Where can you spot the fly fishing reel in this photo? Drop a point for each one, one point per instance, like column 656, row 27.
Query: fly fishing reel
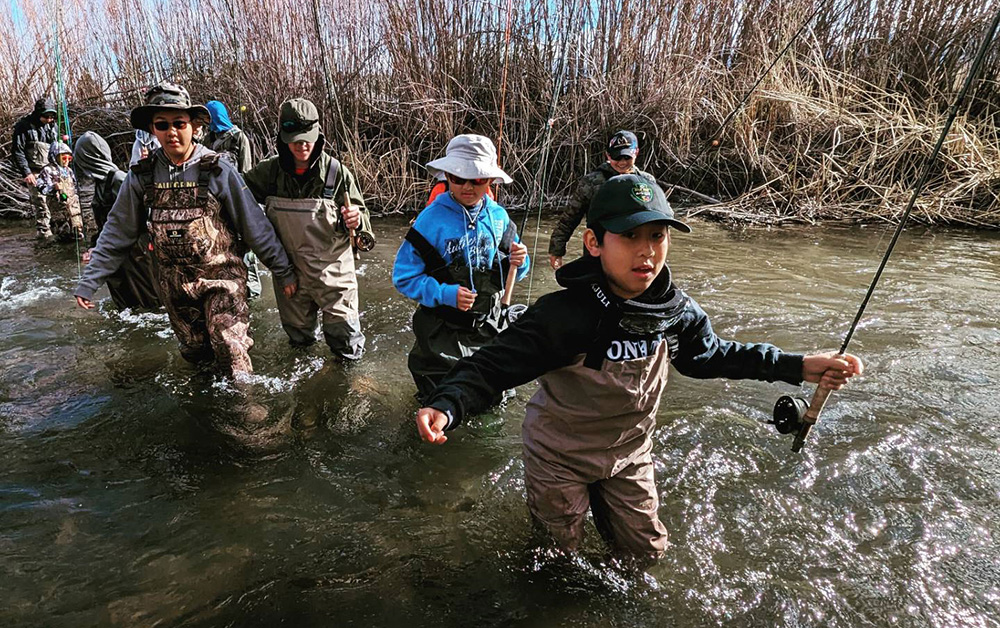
column 789, row 414
column 514, row 312
column 364, row 241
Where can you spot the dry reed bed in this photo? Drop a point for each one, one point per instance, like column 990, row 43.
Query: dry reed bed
column 837, row 130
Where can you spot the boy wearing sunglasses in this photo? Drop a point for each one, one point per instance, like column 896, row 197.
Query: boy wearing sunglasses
column 454, row 262
column 29, row 153
column 198, row 213
column 315, row 205
column 600, row 349
column 620, row 156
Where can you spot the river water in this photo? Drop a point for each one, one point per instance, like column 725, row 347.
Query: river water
column 137, row 491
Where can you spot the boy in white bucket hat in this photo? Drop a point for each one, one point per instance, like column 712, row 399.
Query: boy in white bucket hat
column 454, row 262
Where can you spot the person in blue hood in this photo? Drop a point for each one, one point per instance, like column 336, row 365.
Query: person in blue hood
column 454, row 262
column 230, row 141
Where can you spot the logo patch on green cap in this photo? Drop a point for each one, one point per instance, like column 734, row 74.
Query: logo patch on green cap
column 642, row 193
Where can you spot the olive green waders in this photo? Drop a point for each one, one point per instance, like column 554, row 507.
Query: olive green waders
column 320, row 249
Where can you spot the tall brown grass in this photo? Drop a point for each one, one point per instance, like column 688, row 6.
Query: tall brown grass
column 838, row 128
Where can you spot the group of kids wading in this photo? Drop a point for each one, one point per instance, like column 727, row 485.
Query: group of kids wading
column 174, row 232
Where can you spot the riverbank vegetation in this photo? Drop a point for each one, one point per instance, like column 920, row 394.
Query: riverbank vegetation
column 838, row 129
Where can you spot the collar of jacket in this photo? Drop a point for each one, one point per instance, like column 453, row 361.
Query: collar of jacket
column 661, row 300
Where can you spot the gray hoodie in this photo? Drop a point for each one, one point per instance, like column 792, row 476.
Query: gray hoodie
column 128, row 216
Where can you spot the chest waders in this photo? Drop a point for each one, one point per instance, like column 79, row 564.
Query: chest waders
column 37, row 155
column 65, row 216
column 319, row 247
column 132, row 285
column 199, row 273
column 443, row 334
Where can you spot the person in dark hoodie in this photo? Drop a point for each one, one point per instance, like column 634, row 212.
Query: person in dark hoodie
column 601, row 348
column 315, row 205
column 226, row 138
column 620, row 156
column 197, row 211
column 29, row 153
column 132, row 285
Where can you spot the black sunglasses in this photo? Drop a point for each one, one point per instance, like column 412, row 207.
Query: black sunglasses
column 461, row 181
column 298, row 125
column 163, row 125
column 622, row 158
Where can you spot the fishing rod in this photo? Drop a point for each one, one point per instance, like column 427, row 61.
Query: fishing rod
column 543, row 170
column 714, row 140
column 793, row 414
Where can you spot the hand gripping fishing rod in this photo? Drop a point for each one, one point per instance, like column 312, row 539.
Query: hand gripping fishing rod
column 792, row 414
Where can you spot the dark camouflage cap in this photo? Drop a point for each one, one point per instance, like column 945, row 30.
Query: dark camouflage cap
column 298, row 121
column 171, row 96
column 627, row 201
column 623, row 143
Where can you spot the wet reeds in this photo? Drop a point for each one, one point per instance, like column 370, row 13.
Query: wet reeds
column 838, row 129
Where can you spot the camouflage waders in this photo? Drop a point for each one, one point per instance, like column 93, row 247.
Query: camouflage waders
column 200, row 276
column 65, row 219
column 320, row 249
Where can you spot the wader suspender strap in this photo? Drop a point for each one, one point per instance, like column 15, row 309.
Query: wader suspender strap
column 433, row 262
column 143, row 169
column 207, row 166
column 329, row 188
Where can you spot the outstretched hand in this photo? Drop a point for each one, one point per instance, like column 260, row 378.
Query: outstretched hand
column 86, row 304
column 431, row 424
column 831, row 370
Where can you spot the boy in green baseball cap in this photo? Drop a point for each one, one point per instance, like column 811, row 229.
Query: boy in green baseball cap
column 601, row 350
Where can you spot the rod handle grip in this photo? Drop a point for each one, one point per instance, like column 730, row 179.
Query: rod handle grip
column 508, row 290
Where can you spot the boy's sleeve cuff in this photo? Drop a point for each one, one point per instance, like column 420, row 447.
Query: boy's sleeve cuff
column 288, row 279
column 443, row 405
column 84, row 293
column 449, row 294
column 789, row 368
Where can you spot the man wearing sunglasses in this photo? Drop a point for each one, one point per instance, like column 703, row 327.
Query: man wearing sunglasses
column 620, row 157
column 198, row 214
column 30, row 153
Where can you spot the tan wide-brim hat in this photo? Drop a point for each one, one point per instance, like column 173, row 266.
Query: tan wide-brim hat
column 167, row 96
column 470, row 157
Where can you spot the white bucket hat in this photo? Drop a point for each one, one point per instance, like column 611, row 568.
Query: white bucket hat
column 469, row 157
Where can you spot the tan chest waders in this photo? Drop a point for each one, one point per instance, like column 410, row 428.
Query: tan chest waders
column 319, row 246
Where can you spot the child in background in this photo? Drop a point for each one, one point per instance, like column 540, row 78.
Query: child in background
column 454, row 262
column 57, row 183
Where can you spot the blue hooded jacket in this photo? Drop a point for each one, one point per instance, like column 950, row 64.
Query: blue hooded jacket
column 220, row 116
column 445, row 225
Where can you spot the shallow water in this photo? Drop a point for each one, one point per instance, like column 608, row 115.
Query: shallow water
column 137, row 491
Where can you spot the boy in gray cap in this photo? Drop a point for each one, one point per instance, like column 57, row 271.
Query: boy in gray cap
column 600, row 349
column 315, row 205
column 620, row 156
column 196, row 211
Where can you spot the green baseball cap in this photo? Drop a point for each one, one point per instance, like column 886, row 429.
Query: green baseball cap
column 168, row 96
column 626, row 201
column 298, row 121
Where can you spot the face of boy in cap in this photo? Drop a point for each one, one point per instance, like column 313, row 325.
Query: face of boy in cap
column 623, row 148
column 636, row 217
